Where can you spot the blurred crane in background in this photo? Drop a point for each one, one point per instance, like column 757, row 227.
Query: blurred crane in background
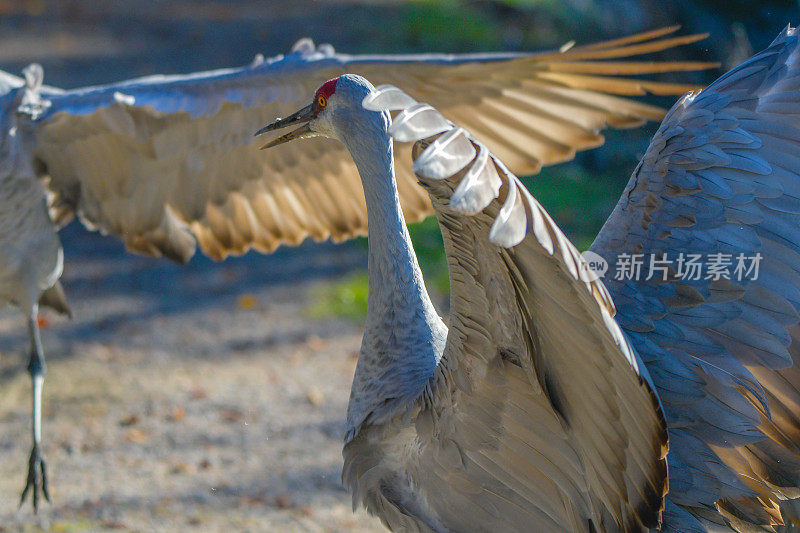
column 532, row 411
column 168, row 162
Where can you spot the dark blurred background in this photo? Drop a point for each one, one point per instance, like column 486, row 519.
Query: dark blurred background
column 211, row 396
column 95, row 41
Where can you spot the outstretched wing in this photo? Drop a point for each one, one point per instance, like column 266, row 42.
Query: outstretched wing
column 161, row 161
column 539, row 416
column 721, row 179
column 9, row 82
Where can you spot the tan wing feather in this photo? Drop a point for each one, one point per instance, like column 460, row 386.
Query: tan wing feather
column 122, row 166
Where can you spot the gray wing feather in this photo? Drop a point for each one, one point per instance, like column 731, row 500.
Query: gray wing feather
column 721, row 176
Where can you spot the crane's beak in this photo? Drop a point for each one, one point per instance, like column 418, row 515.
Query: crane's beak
column 299, row 117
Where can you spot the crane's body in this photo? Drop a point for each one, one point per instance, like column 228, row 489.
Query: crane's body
column 534, row 411
column 415, row 435
column 31, row 258
column 31, row 264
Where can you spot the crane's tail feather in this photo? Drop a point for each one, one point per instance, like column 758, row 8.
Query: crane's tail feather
column 56, row 299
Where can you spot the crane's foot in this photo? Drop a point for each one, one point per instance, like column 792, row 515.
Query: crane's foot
column 37, row 479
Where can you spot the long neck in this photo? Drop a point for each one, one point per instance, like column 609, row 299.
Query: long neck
column 403, row 336
column 395, row 279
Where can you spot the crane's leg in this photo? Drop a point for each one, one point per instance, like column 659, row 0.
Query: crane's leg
column 37, row 474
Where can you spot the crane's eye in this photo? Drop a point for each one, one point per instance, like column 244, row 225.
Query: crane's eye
column 321, row 101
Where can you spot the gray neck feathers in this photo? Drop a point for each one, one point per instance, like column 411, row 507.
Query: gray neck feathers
column 404, row 336
column 393, row 267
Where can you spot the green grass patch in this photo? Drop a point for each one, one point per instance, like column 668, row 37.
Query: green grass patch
column 345, row 298
column 449, row 25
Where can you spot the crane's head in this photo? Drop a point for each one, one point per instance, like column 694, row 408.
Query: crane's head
column 335, row 109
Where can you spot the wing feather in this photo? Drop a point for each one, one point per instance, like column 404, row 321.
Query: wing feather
column 556, row 427
column 122, row 155
column 721, row 177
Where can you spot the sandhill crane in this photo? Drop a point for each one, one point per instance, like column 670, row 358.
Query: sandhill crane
column 168, row 162
column 536, row 410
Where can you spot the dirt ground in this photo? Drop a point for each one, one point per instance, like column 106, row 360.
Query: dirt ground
column 185, row 398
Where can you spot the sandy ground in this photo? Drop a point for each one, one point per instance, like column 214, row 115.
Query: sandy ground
column 185, row 398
